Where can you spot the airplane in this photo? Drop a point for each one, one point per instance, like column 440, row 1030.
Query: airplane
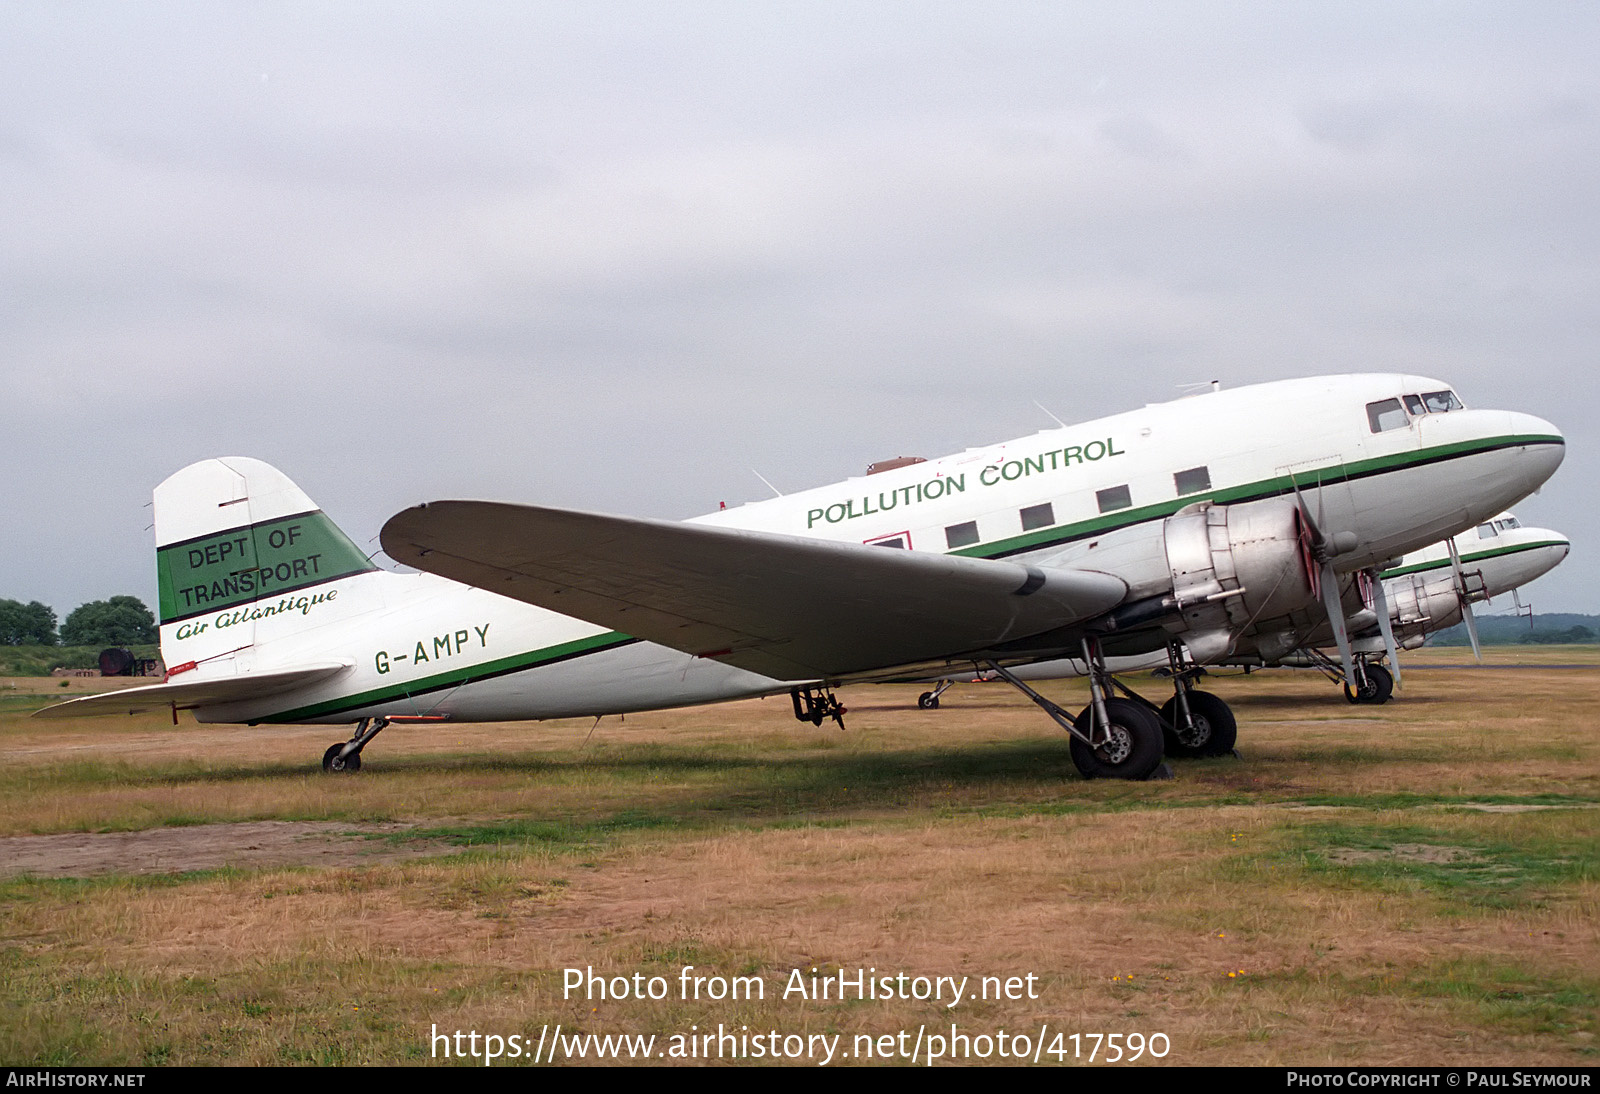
column 1425, row 593
column 1434, row 589
column 1189, row 526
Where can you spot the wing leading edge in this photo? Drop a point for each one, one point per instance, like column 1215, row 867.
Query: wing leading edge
column 782, row 606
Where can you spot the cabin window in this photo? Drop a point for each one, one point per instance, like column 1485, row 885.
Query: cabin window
column 902, row 540
column 1117, row 497
column 961, row 535
column 1387, row 414
column 1038, row 516
column 1486, row 531
column 1441, row 402
column 1192, row 481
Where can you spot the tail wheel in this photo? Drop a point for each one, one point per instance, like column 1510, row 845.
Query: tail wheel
column 1128, row 748
column 334, row 765
column 1377, row 688
column 1214, row 730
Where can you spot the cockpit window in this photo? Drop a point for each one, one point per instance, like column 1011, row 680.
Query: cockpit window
column 1509, row 523
column 1441, row 402
column 1486, row 531
column 1387, row 414
column 1414, row 404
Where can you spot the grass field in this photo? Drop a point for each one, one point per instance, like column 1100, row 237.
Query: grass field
column 1408, row 884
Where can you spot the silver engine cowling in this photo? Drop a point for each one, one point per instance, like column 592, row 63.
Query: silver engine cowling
column 1233, row 566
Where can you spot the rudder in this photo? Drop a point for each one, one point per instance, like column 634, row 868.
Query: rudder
column 237, row 545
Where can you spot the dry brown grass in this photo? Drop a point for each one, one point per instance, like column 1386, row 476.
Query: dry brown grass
column 956, row 842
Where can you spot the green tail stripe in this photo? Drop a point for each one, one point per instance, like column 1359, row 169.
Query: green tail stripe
column 254, row 561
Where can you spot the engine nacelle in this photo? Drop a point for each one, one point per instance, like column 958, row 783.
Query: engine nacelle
column 1234, row 565
column 1420, row 605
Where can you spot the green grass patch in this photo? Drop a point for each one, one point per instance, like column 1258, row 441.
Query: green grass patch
column 570, row 834
column 1405, row 800
column 1478, row 870
column 1482, row 992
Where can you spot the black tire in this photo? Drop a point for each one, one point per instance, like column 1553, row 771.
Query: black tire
column 1133, row 750
column 928, row 701
column 1378, row 688
column 1215, row 728
column 335, row 766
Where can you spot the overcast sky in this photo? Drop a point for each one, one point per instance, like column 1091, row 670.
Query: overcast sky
column 616, row 256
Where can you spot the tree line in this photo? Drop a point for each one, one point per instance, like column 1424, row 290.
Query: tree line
column 120, row 621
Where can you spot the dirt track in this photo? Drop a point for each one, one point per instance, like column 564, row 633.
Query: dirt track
column 205, row 847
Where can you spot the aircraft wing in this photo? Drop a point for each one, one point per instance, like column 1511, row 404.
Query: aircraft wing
column 782, row 606
column 193, row 693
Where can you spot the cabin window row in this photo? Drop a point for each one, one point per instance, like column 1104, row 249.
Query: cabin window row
column 1034, row 517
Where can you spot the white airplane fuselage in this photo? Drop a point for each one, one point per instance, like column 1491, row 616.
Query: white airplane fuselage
column 1104, row 495
column 1497, row 557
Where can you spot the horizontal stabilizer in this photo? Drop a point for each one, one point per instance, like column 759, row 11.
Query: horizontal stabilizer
column 783, row 606
column 190, row 694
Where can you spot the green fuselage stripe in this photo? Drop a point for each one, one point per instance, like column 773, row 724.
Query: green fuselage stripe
column 1278, row 486
column 455, row 678
column 1475, row 556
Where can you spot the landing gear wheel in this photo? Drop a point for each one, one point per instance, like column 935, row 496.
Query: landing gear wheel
column 333, row 765
column 928, row 701
column 1377, row 688
column 1214, row 732
column 1130, row 750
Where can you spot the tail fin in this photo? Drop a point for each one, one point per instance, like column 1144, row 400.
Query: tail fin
column 243, row 555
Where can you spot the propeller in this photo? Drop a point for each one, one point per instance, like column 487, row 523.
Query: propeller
column 1316, row 555
column 1341, row 635
column 1380, row 604
column 1466, row 603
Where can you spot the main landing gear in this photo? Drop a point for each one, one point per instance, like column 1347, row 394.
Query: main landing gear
column 1374, row 682
column 1195, row 723
column 1112, row 738
column 345, row 757
column 1123, row 737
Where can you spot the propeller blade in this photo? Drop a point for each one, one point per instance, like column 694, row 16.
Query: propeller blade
column 1380, row 604
column 1472, row 630
column 1341, row 636
column 1308, row 538
column 1466, row 604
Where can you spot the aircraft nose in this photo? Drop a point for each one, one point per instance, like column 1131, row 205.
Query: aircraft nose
column 1545, row 447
